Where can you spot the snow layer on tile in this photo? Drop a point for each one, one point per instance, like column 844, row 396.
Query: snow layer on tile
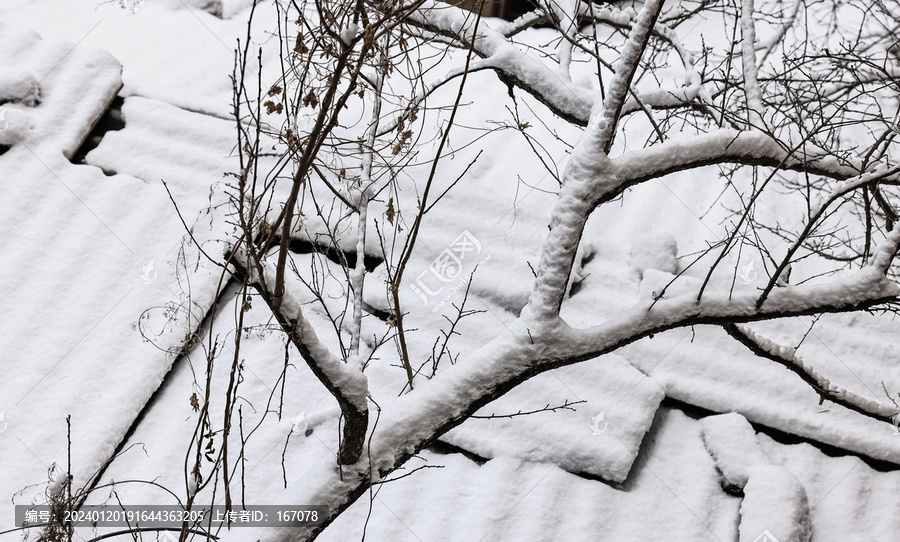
column 731, row 441
column 848, row 498
column 674, row 489
column 76, row 83
column 601, row 436
column 88, row 262
column 775, row 506
column 19, row 85
column 147, row 40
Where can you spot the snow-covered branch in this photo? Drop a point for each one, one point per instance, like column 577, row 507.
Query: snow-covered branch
column 567, row 14
column 553, row 87
column 608, row 118
column 345, row 381
column 416, row 420
column 571, row 102
column 587, row 172
column 511, row 28
column 663, row 98
column 787, row 356
column 725, row 146
column 867, row 288
column 748, row 60
column 363, row 194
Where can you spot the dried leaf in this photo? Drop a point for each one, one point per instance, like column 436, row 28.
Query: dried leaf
column 272, row 107
column 299, row 46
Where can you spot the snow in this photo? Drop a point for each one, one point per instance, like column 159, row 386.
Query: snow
column 732, row 442
column 82, row 241
column 347, row 377
column 18, row 85
column 349, row 34
column 622, row 400
column 775, row 503
column 657, row 252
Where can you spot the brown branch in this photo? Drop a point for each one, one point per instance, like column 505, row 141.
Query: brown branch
column 565, row 406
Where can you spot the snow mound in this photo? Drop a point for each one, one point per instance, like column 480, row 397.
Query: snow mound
column 675, row 495
column 19, row 85
column 77, row 84
column 600, row 437
column 660, row 283
column 775, row 507
column 15, row 125
column 848, row 498
column 732, row 442
column 655, row 252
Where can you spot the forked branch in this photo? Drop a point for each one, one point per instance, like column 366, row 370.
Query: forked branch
column 346, row 382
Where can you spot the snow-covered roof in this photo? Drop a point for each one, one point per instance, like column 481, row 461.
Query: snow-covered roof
column 683, row 436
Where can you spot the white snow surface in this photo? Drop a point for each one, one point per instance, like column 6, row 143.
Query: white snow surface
column 601, row 437
column 92, row 253
column 732, row 442
column 775, row 503
column 19, row 85
column 89, row 253
column 659, row 252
